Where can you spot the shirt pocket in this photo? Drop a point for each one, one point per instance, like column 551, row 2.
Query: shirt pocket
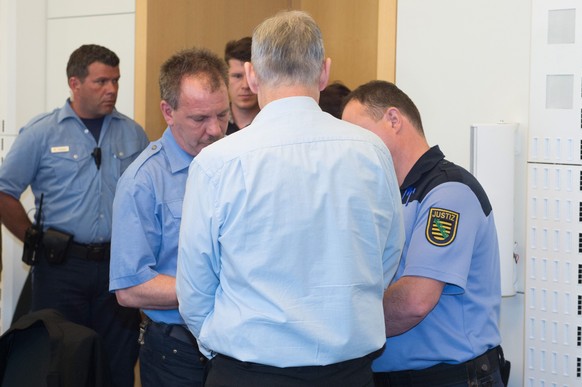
column 175, row 209
column 124, row 153
column 173, row 218
column 119, row 156
column 68, row 166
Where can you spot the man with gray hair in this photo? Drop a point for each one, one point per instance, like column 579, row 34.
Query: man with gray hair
column 291, row 230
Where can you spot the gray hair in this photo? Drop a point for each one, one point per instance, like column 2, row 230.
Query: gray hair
column 288, row 49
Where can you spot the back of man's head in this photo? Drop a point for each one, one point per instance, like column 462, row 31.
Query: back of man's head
column 190, row 62
column 85, row 55
column 288, row 49
column 331, row 98
column 377, row 96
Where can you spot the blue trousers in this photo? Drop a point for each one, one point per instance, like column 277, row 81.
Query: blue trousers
column 168, row 361
column 79, row 289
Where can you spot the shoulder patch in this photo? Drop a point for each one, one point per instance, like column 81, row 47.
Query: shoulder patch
column 441, row 226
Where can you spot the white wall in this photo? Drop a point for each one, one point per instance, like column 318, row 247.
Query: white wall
column 71, row 23
column 466, row 62
column 23, row 48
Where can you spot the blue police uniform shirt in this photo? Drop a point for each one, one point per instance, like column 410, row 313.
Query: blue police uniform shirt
column 52, row 154
column 146, row 219
column 450, row 237
column 291, row 230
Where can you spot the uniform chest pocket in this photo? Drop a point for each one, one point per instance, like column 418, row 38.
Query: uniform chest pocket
column 173, row 217
column 124, row 153
column 175, row 209
column 67, row 164
column 116, row 158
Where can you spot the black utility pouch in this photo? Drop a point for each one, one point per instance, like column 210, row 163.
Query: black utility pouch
column 32, row 239
column 56, row 245
column 504, row 367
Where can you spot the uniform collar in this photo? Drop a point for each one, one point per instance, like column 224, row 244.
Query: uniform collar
column 425, row 163
column 178, row 158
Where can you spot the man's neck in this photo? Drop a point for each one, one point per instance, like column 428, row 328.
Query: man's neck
column 407, row 156
column 243, row 117
column 269, row 94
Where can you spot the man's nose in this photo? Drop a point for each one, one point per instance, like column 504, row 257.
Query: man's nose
column 244, row 83
column 112, row 87
column 214, row 129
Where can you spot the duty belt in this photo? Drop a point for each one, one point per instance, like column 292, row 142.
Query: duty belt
column 91, row 251
column 442, row 374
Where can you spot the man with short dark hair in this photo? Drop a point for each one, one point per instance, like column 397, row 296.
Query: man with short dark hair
column 243, row 102
column 442, row 308
column 331, row 98
column 73, row 157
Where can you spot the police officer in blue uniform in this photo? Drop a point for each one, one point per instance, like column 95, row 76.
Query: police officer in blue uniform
column 73, row 158
column 148, row 208
column 442, row 307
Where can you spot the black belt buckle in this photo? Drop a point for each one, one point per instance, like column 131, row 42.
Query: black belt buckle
column 91, row 252
column 96, row 252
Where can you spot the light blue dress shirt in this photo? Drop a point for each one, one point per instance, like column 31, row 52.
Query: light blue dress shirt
column 291, row 230
column 52, row 154
column 146, row 219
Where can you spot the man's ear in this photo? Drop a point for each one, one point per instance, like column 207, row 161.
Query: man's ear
column 74, row 83
column 167, row 112
column 324, row 77
column 393, row 117
column 251, row 77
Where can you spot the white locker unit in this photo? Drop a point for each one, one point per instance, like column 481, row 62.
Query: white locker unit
column 553, row 278
column 493, row 164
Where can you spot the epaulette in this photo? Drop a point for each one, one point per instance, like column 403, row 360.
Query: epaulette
column 34, row 120
column 152, row 149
